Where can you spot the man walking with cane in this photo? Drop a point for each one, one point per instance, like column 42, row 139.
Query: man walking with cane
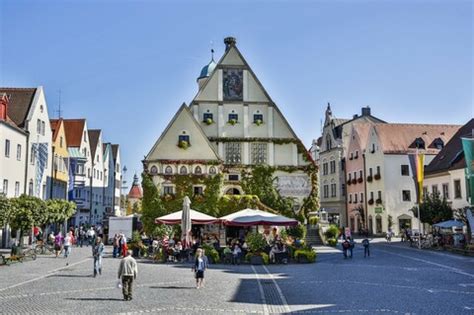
column 128, row 270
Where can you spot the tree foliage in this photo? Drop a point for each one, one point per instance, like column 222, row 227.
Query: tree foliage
column 27, row 211
column 59, row 210
column 152, row 207
column 461, row 215
column 434, row 209
column 5, row 210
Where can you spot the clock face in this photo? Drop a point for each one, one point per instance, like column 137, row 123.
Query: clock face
column 233, row 84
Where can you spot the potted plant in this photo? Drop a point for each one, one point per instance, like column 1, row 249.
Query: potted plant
column 256, row 245
column 208, row 121
column 313, row 221
column 305, row 255
column 258, row 122
column 183, row 144
column 232, row 121
column 212, row 253
column 377, row 176
column 369, row 178
column 332, row 242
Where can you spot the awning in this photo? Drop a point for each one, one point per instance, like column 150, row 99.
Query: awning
column 449, row 224
column 248, row 217
column 196, row 218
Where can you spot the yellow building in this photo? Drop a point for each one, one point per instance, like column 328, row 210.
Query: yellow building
column 60, row 169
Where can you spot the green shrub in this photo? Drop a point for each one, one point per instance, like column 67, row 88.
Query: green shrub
column 256, row 242
column 313, row 220
column 310, row 255
column 332, row 231
column 332, row 242
column 298, row 231
column 212, row 253
column 265, row 257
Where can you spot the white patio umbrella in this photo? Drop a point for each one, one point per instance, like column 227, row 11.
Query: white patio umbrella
column 186, row 223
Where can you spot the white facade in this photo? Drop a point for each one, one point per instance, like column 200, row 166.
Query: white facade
column 118, row 209
column 13, row 148
column 450, row 184
column 37, row 124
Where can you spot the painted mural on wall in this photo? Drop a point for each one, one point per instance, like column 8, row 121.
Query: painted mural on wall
column 233, row 84
column 294, row 185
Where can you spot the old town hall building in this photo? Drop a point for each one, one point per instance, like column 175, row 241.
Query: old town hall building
column 232, row 124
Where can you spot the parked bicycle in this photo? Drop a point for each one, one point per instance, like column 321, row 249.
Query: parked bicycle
column 44, row 249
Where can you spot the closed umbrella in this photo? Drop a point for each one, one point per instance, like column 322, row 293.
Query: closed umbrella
column 186, row 223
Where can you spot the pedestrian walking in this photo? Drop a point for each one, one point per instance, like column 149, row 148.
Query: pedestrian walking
column 128, row 270
column 116, row 244
column 366, row 244
column 345, row 247
column 124, row 246
column 351, row 245
column 58, row 243
column 200, row 265
column 90, row 236
column 82, row 236
column 68, row 240
column 97, row 252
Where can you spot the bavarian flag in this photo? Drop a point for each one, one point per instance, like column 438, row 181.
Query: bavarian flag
column 468, row 147
column 417, row 163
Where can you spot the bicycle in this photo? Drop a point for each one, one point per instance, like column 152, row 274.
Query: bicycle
column 44, row 249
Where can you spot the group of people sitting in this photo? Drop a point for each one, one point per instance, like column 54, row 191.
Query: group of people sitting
column 234, row 251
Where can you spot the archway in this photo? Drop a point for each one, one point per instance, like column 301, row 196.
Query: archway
column 232, row 191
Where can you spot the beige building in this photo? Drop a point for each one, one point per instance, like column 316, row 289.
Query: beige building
column 232, row 124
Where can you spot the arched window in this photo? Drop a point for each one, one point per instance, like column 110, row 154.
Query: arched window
column 183, row 170
column 168, row 170
column 154, row 170
column 212, row 170
column 328, row 142
column 198, row 170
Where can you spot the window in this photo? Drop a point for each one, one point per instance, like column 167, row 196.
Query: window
column 445, row 191
column 379, row 194
column 352, row 156
column 168, row 170
column 232, row 152
column 198, row 170
column 326, row 191
column 43, row 128
column 7, row 148
column 154, row 170
column 183, row 170
column 370, row 171
column 356, row 155
column 361, row 197
column 419, row 143
column 457, row 189
column 88, row 172
column 405, row 170
column 233, row 117
column 343, row 190
column 372, row 195
column 406, row 195
column 61, row 142
column 38, row 126
column 360, row 174
column 233, row 177
column 33, row 155
column 17, row 189
column 18, row 152
column 373, row 148
column 183, row 138
column 5, row 187
column 378, row 170
column 425, row 191
column 355, row 198
column 97, row 159
column 333, row 190
column 333, row 166
column 434, row 189
column 350, row 177
column 85, row 136
column 325, row 168
column 198, row 190
column 168, row 190
column 257, row 118
column 258, row 152
column 207, row 116
column 350, row 198
column 212, row 170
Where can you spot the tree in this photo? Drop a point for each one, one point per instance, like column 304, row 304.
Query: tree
column 434, row 209
column 5, row 210
column 152, row 207
column 59, row 210
column 27, row 212
column 136, row 208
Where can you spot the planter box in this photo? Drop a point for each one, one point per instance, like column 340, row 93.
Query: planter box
column 256, row 260
column 303, row 260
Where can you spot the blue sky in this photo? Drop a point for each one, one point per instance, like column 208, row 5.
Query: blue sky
column 127, row 66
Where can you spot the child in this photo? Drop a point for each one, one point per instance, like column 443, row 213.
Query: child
column 366, row 245
column 200, row 265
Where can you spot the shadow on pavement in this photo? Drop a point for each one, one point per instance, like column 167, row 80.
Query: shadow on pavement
column 70, row 276
column 94, row 299
column 173, row 287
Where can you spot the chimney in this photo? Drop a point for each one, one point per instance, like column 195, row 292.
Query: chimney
column 355, row 116
column 3, row 107
column 366, row 111
column 229, row 41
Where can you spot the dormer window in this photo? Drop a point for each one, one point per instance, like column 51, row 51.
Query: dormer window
column 419, row 143
column 438, row 143
column 183, row 141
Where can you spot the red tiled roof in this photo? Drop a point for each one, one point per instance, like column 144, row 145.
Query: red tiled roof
column 399, row 138
column 55, row 126
column 135, row 192
column 74, row 129
column 19, row 104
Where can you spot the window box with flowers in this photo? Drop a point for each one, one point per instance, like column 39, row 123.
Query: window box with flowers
column 182, row 144
column 258, row 122
column 378, row 201
column 370, row 202
column 377, row 176
column 232, row 122
column 208, row 121
column 360, row 180
column 369, row 178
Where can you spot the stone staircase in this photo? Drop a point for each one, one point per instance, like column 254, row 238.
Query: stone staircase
column 312, row 237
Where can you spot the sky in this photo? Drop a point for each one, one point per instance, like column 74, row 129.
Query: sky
column 127, row 66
